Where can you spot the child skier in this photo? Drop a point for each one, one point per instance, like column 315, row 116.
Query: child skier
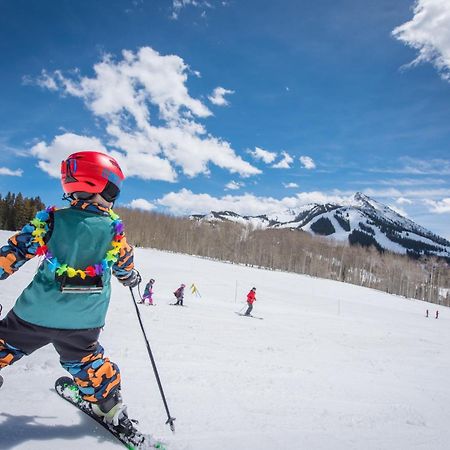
column 251, row 298
column 148, row 292
column 66, row 302
column 179, row 294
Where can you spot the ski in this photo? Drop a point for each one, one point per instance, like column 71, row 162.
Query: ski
column 1, row 381
column 67, row 389
column 254, row 317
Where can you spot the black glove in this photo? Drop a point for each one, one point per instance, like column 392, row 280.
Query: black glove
column 131, row 280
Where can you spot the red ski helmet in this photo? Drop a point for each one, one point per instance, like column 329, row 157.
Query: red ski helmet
column 93, row 172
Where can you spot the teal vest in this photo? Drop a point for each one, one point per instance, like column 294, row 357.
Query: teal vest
column 79, row 239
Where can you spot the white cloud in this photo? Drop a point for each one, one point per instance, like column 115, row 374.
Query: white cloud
column 415, row 166
column 435, row 166
column 290, row 185
column 218, row 96
column 186, row 202
column 307, row 162
column 151, row 144
column 178, row 5
column 10, row 172
column 285, row 162
column 439, row 207
column 45, row 81
column 403, row 201
column 234, row 185
column 393, row 193
column 420, row 181
column 50, row 156
column 429, row 33
column 141, row 203
column 263, row 155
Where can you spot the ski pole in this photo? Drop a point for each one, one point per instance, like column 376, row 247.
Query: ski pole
column 139, row 291
column 170, row 419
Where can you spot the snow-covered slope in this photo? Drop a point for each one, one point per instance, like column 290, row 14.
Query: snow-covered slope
column 364, row 221
column 331, row 367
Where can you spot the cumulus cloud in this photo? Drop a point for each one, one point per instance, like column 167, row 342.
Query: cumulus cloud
column 439, row 207
column 263, row 155
column 218, row 96
column 290, row 185
column 285, row 162
column 152, row 121
column 428, row 32
column 307, row 162
column 234, row 185
column 10, row 172
column 51, row 155
column 187, row 202
column 141, row 203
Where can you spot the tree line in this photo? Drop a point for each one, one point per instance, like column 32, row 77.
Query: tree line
column 426, row 278
column 17, row 210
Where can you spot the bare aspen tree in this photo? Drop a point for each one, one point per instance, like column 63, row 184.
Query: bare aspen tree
column 427, row 278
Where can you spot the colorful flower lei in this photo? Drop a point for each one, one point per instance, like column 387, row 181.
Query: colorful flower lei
column 41, row 228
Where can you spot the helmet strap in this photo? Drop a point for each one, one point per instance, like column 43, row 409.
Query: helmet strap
column 67, row 197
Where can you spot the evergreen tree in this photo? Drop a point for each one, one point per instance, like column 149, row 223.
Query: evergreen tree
column 10, row 213
column 17, row 210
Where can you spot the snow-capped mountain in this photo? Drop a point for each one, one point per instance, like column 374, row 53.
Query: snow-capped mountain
column 363, row 221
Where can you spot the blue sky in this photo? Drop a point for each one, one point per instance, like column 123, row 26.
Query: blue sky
column 252, row 106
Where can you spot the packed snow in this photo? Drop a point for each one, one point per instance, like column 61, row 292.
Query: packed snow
column 331, row 366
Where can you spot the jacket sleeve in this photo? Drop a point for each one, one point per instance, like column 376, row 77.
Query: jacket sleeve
column 20, row 248
column 125, row 264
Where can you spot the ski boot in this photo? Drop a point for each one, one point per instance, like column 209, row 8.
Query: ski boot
column 114, row 413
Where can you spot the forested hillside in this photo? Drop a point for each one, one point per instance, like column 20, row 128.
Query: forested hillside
column 426, row 278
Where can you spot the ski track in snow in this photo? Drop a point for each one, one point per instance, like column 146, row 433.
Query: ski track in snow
column 331, row 366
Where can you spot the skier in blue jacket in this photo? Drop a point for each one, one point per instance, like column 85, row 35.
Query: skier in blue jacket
column 66, row 302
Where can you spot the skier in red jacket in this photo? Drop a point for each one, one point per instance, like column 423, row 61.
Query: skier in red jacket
column 251, row 297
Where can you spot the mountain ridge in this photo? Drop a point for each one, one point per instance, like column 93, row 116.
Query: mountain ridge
column 363, row 221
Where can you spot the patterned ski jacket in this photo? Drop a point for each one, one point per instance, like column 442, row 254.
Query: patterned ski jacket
column 77, row 236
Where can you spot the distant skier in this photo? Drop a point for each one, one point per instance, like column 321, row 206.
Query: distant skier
column 66, row 302
column 179, row 295
column 426, row 313
column 251, row 298
column 437, row 314
column 148, row 292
